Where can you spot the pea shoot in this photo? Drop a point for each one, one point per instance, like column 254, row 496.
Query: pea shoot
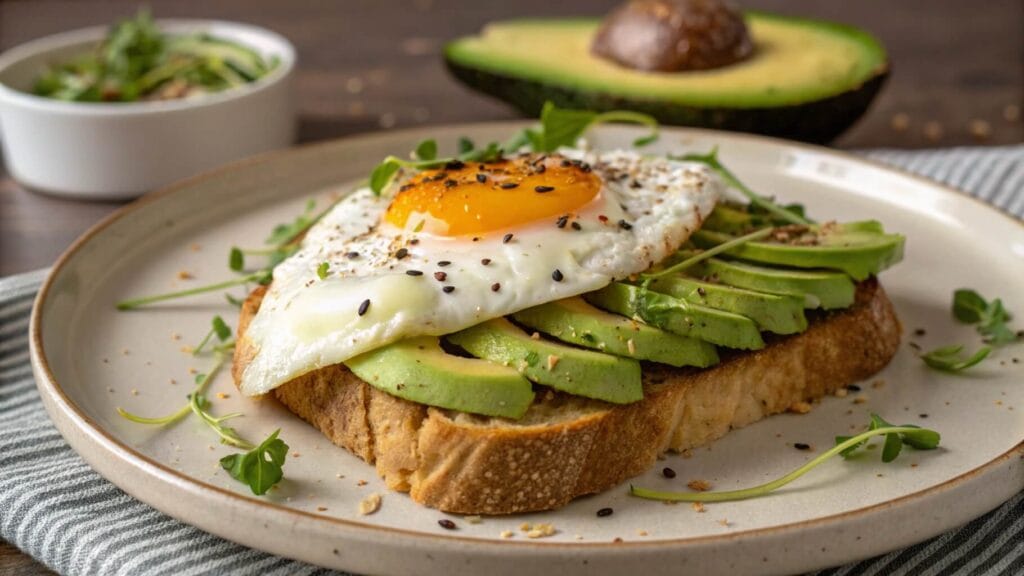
column 261, row 467
column 895, row 438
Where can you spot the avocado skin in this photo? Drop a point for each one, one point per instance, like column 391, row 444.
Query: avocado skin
column 573, row 370
column 418, row 369
column 574, row 321
column 776, row 313
column 819, row 121
column 679, row 316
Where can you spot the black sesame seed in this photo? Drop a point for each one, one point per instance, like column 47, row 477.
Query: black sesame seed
column 562, row 221
column 414, row 272
column 481, row 178
column 476, row 238
column 919, row 332
column 444, row 263
column 485, row 261
column 454, row 165
column 853, row 388
column 507, row 238
column 450, row 183
column 635, row 184
column 352, row 255
column 605, row 512
column 364, row 306
column 448, row 289
column 801, row 446
column 625, row 225
column 557, row 275
column 668, row 473
column 923, row 415
column 585, row 167
column 405, row 187
column 509, row 185
column 401, row 253
column 566, row 163
column 440, row 276
column 576, row 225
column 543, row 189
column 541, row 169
column 495, row 287
column 446, row 524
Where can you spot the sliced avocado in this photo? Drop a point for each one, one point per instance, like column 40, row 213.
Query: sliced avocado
column 778, row 313
column 806, row 79
column 418, row 369
column 679, row 316
column 573, row 370
column 573, row 320
column 855, row 248
column 736, row 219
column 819, row 288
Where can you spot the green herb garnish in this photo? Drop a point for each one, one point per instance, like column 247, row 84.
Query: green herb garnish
column 711, row 159
column 259, row 277
column 705, row 254
column 991, row 318
column 913, row 436
column 136, row 61
column 218, row 328
column 426, row 150
column 951, row 358
column 261, row 467
column 323, row 270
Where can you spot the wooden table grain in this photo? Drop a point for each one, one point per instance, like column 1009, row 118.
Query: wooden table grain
column 958, row 75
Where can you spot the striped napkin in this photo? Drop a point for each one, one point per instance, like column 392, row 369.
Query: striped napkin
column 54, row 507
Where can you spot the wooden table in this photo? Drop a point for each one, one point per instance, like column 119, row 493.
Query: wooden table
column 369, row 65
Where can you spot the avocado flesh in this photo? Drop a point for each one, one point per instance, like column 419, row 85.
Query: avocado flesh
column 418, row 370
column 819, row 288
column 777, row 313
column 738, row 220
column 858, row 250
column 679, row 316
column 574, row 321
column 572, row 370
column 806, row 79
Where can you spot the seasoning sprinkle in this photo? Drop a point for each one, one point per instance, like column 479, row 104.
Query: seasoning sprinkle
column 543, row 189
column 446, row 524
column 448, row 289
column 507, row 238
column 414, row 272
column 481, row 178
column 401, row 253
column 440, row 276
column 352, row 255
column 562, row 221
column 509, row 185
column 668, row 473
column 450, row 183
column 576, row 226
column 364, row 307
column 625, row 225
column 444, row 263
column 557, row 275
column 455, row 165
column 603, row 512
column 495, row 287
column 485, row 261
column 853, row 388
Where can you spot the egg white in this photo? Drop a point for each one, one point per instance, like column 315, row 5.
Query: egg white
column 646, row 208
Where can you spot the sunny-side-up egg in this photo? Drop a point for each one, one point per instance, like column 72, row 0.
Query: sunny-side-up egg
column 448, row 248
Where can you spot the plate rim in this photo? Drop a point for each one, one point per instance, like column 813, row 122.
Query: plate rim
column 51, row 390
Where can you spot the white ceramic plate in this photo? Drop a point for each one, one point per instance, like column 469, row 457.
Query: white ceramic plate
column 90, row 359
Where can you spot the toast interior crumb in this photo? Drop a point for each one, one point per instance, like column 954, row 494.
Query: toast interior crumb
column 800, row 407
column 699, row 485
column 370, row 504
column 698, row 507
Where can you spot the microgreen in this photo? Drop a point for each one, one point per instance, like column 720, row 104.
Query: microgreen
column 261, row 467
column 323, row 270
column 465, row 145
column 233, row 301
column 218, row 328
column 236, row 260
column 704, row 255
column 287, row 232
column 260, row 277
column 711, row 159
column 991, row 318
column 563, row 126
column 952, row 359
column 426, row 150
column 913, row 436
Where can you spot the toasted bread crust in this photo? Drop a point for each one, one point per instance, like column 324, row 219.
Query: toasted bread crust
column 566, row 446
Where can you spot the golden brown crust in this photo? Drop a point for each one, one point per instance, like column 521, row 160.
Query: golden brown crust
column 567, row 447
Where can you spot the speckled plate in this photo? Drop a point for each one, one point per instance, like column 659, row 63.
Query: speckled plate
column 90, row 359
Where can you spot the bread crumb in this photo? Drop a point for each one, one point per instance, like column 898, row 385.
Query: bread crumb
column 173, row 381
column 187, row 350
column 699, row 485
column 800, row 407
column 192, row 370
column 687, row 454
column 641, row 532
column 474, row 519
column 222, row 395
column 617, row 540
column 698, row 507
column 135, row 392
column 535, row 336
column 724, row 522
column 321, row 509
column 541, row 531
column 296, row 454
column 195, row 247
column 507, row 534
column 631, row 347
column 370, row 504
column 362, row 483
column 175, row 336
column 524, row 527
column 552, row 362
column 578, row 537
column 841, row 392
column 878, row 383
column 125, row 352
column 339, row 476
column 860, row 399
column 185, row 275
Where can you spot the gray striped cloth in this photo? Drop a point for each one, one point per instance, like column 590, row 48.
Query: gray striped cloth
column 54, row 507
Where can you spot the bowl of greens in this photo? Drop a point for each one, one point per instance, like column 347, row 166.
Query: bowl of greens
column 112, row 112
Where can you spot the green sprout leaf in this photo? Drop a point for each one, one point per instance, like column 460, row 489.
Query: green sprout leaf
column 323, row 270
column 951, row 358
column 236, row 261
column 218, row 328
column 992, row 318
column 913, row 436
column 382, row 175
column 426, row 150
column 564, row 126
column 260, row 468
column 705, row 254
column 465, row 145
column 968, row 306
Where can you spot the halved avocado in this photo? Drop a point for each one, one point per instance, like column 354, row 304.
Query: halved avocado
column 806, row 79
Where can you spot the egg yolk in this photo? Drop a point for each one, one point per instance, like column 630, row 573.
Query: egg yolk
column 474, row 198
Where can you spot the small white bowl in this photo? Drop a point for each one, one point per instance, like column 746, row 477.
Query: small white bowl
column 121, row 150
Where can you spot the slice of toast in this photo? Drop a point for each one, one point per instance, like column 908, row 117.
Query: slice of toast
column 568, row 446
